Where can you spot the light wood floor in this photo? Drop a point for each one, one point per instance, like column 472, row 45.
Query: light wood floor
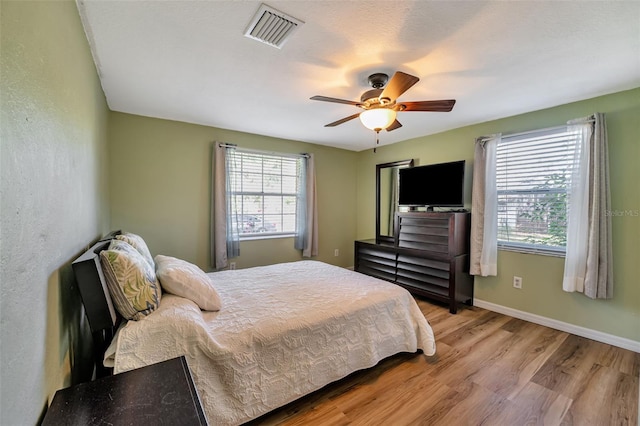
column 489, row 369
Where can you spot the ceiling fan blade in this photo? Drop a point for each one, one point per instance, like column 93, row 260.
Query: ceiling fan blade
column 395, row 125
column 344, row 120
column 437, row 106
column 335, row 100
column 399, row 83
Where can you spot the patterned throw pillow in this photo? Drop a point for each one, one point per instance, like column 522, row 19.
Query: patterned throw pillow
column 139, row 244
column 132, row 282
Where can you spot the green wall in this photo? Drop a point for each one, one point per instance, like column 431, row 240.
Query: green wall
column 53, row 195
column 542, row 275
column 160, row 188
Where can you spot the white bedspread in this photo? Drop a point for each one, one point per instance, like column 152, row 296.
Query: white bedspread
column 283, row 331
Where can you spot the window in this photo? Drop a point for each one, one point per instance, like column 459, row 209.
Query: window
column 533, row 173
column 264, row 193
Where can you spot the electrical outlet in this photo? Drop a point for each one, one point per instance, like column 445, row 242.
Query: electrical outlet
column 517, row 282
column 232, row 265
column 336, row 252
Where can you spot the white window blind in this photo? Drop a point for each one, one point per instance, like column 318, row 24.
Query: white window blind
column 533, row 178
column 264, row 191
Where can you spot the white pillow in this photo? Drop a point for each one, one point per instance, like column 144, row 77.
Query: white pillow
column 186, row 280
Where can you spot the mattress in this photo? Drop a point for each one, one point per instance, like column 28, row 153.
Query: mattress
column 283, row 331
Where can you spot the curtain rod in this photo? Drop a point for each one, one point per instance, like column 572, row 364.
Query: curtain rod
column 259, row 151
column 531, row 132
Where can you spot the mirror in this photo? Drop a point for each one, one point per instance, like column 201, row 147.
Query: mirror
column 387, row 198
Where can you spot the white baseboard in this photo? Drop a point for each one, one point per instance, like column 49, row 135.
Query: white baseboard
column 598, row 336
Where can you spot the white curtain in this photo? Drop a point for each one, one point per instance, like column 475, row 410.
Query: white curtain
column 588, row 262
column 484, row 208
column 307, row 211
column 225, row 238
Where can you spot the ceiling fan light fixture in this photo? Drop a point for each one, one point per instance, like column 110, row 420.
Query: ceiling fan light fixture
column 378, row 118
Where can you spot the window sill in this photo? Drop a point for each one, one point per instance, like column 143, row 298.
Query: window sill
column 541, row 252
column 266, row 237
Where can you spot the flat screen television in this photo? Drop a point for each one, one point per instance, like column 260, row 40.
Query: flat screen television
column 433, row 185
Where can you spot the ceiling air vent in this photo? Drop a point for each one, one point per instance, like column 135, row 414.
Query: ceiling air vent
column 271, row 26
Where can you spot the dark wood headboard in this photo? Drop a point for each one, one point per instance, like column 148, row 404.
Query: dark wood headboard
column 102, row 315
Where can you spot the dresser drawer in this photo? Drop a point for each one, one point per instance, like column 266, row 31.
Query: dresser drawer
column 375, row 261
column 423, row 233
column 416, row 267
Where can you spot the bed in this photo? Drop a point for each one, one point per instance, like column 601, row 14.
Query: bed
column 283, row 331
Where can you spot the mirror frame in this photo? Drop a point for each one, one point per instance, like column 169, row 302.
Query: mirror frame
column 379, row 167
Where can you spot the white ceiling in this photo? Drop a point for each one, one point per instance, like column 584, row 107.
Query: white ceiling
column 190, row 61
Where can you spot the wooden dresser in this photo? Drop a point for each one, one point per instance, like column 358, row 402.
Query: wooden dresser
column 429, row 256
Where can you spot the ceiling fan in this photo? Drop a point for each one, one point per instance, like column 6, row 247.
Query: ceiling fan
column 380, row 105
